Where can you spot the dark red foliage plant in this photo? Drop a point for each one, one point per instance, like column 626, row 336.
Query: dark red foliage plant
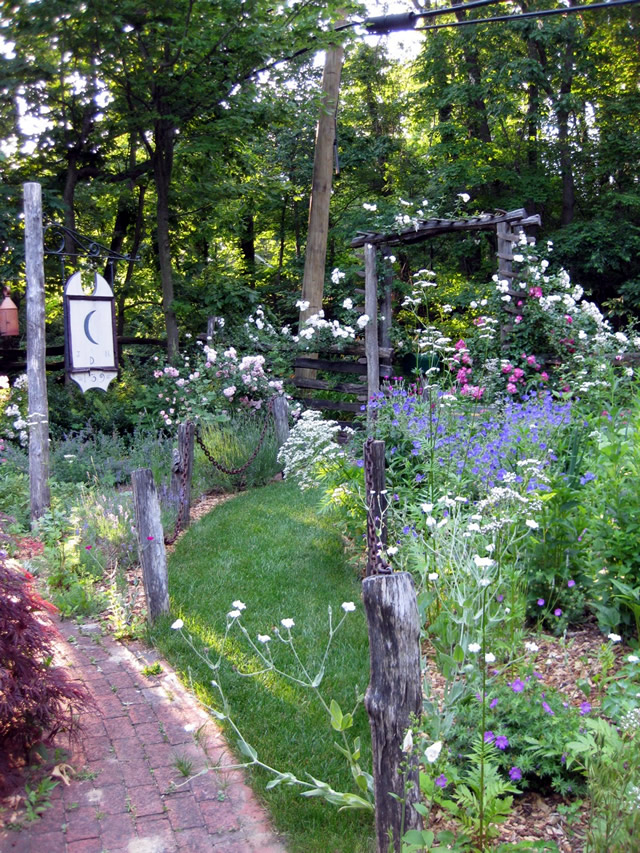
column 37, row 699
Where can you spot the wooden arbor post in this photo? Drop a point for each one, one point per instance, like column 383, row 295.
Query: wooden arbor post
column 36, row 353
column 371, row 329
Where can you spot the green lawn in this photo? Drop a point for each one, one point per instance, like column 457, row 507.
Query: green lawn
column 271, row 549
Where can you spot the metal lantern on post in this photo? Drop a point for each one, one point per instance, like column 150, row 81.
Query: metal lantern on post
column 8, row 315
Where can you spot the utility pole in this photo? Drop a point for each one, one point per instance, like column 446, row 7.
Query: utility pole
column 316, row 251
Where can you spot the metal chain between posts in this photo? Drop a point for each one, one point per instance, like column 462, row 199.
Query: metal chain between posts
column 169, row 540
column 244, row 467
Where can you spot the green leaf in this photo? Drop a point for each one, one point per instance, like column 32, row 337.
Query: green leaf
column 458, row 654
column 248, row 750
column 336, row 715
column 415, row 836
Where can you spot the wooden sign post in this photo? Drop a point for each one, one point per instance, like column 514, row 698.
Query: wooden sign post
column 36, row 353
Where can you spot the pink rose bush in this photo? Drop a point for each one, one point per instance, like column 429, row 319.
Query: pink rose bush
column 208, row 384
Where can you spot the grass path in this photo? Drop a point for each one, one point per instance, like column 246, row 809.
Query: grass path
column 271, row 549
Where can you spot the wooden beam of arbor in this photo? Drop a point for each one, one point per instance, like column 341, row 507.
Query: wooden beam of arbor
column 427, row 228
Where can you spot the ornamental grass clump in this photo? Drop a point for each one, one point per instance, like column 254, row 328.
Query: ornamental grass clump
column 37, row 699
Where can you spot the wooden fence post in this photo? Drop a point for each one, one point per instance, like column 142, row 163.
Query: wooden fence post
column 38, row 417
column 394, row 695
column 280, row 409
column 376, row 497
column 153, row 557
column 180, row 487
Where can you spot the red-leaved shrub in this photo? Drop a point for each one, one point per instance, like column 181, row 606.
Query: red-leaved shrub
column 37, row 700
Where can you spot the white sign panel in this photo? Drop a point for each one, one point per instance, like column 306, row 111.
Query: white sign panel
column 90, row 334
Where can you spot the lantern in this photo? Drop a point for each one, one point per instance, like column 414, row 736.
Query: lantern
column 8, row 316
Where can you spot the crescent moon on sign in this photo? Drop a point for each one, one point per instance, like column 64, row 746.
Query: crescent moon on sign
column 86, row 327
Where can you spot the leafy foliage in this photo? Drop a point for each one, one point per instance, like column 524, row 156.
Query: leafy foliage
column 37, row 700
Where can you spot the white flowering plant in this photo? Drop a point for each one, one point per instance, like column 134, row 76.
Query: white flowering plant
column 13, row 410
column 302, row 675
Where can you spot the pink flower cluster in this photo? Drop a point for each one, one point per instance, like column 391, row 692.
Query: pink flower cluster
column 516, row 376
column 464, row 364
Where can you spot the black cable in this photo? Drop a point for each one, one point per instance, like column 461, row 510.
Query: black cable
column 543, row 13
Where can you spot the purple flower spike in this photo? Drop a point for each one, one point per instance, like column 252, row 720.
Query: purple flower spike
column 441, row 781
column 515, row 774
column 546, row 707
column 493, row 704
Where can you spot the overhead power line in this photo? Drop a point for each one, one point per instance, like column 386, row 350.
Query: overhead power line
column 542, row 13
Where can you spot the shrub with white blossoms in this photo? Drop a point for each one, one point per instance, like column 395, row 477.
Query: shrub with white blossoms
column 311, row 442
column 13, row 409
column 210, row 382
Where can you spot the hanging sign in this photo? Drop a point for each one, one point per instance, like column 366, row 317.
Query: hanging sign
column 90, row 334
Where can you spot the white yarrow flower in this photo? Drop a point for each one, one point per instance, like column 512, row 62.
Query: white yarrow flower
column 287, row 623
column 615, row 638
column 239, row 605
column 177, row 624
column 433, row 576
column 234, row 614
column 531, row 647
column 348, row 606
column 264, row 638
column 532, row 524
column 474, row 648
column 490, row 657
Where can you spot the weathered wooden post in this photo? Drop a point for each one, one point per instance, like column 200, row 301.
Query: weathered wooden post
column 394, row 694
column 376, row 497
column 153, row 557
column 36, row 353
column 182, row 468
column 371, row 329
column 393, row 697
column 280, row 409
column 213, row 324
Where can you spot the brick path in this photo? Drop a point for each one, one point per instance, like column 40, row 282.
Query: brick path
column 128, row 795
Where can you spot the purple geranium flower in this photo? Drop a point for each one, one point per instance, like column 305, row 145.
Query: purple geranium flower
column 515, row 774
column 517, row 686
column 571, row 583
column 546, row 707
column 557, row 612
column 541, row 602
column 585, row 707
column 489, row 737
column 502, row 741
column 441, row 781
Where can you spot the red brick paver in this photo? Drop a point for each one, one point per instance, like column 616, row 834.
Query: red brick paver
column 128, row 794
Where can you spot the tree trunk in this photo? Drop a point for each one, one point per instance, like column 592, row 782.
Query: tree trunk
column 164, row 139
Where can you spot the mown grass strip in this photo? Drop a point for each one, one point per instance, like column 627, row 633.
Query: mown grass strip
column 270, row 548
